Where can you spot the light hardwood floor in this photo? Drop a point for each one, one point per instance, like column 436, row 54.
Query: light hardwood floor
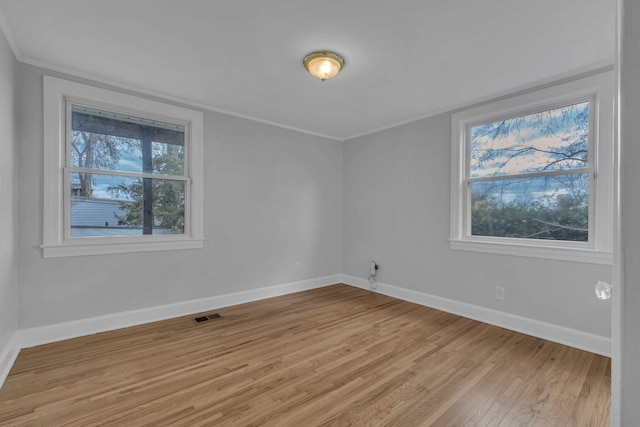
column 335, row 356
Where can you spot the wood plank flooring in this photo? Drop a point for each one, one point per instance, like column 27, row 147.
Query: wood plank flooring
column 335, row 356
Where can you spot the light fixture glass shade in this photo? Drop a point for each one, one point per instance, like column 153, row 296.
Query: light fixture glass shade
column 323, row 65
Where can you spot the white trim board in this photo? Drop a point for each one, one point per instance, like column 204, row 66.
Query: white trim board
column 8, row 356
column 31, row 337
column 39, row 335
column 559, row 334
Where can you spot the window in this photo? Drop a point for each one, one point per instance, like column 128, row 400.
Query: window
column 122, row 173
column 529, row 176
column 532, row 174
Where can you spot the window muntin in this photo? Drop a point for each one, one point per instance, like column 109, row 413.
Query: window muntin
column 529, row 176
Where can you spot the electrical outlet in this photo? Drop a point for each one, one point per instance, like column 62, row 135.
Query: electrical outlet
column 298, row 266
column 499, row 293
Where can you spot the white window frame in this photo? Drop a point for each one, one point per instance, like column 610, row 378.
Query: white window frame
column 598, row 89
column 56, row 241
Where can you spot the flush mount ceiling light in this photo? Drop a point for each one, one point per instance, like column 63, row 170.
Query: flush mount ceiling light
column 323, row 64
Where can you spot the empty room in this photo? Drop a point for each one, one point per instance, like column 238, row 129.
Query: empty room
column 319, row 213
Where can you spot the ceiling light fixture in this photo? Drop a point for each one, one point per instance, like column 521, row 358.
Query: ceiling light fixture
column 323, row 64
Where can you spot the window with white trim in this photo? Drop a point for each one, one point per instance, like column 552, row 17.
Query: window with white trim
column 122, row 173
column 532, row 174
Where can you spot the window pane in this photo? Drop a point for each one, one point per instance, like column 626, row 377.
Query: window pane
column 110, row 141
column 97, row 151
column 167, row 159
column 555, row 139
column 107, row 205
column 168, row 206
column 549, row 207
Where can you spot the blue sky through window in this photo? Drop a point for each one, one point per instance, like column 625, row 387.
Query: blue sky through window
column 555, row 139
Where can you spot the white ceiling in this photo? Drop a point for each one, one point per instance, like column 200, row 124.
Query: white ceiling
column 405, row 59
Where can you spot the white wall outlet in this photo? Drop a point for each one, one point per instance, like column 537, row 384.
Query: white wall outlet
column 499, row 293
column 298, row 266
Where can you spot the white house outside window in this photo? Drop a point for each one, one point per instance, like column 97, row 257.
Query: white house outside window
column 532, row 175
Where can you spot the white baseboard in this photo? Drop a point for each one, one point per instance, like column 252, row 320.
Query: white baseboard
column 61, row 331
column 8, row 356
column 560, row 334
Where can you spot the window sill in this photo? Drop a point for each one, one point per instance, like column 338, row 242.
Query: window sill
column 106, row 248
column 588, row 256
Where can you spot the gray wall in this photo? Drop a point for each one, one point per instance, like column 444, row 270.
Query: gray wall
column 630, row 212
column 8, row 197
column 272, row 198
column 396, row 211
